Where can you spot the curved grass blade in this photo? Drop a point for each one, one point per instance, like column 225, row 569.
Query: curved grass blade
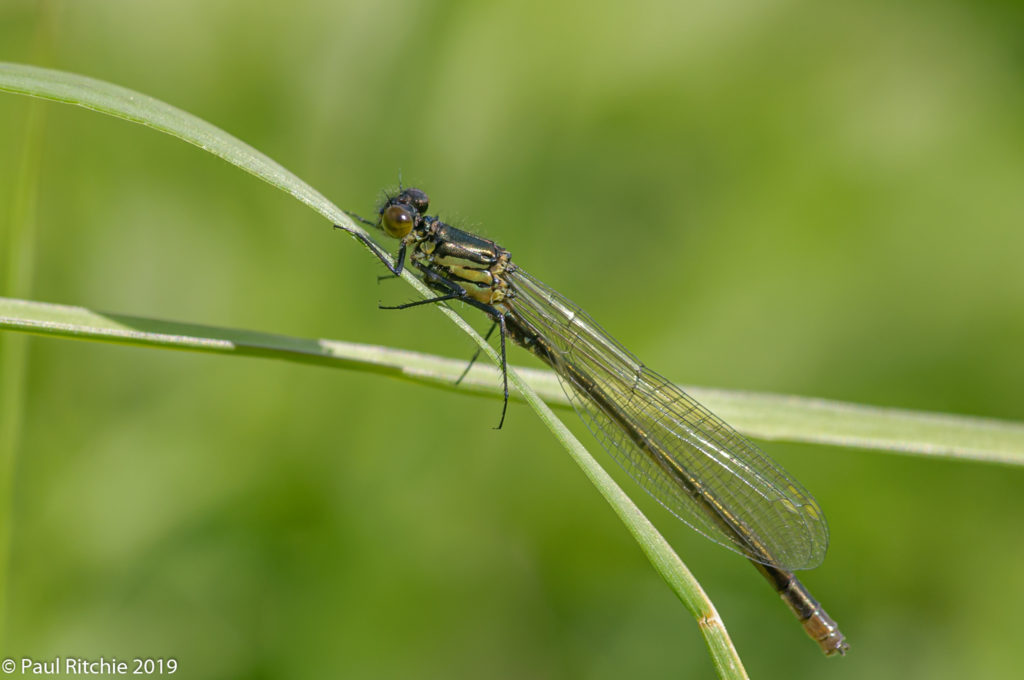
column 123, row 103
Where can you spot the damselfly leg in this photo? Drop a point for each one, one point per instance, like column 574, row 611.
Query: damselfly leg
column 456, row 292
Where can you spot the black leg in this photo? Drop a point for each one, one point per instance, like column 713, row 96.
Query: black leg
column 357, row 218
column 430, row 301
column 396, row 268
column 456, row 292
column 504, row 370
column 476, row 354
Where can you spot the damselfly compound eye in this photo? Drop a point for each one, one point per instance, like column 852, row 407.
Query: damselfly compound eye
column 396, row 220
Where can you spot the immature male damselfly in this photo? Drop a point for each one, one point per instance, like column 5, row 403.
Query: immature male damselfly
column 688, row 459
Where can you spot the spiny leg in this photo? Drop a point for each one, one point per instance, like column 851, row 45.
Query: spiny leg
column 504, row 370
column 456, row 292
column 396, row 268
column 476, row 354
column 429, row 301
column 357, row 218
column 500, row 321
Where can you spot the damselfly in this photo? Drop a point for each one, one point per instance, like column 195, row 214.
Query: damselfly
column 687, row 458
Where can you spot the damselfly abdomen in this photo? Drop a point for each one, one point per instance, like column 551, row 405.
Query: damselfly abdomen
column 691, row 461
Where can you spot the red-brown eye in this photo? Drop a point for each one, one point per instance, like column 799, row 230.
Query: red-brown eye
column 396, row 221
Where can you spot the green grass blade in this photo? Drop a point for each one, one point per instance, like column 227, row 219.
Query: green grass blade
column 120, row 102
column 761, row 415
column 822, row 421
column 123, row 103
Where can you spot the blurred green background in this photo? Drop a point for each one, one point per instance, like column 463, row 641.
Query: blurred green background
column 782, row 196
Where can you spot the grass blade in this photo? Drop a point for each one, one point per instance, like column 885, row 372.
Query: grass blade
column 123, row 103
column 760, row 415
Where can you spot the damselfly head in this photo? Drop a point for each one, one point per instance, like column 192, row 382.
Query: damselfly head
column 398, row 214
